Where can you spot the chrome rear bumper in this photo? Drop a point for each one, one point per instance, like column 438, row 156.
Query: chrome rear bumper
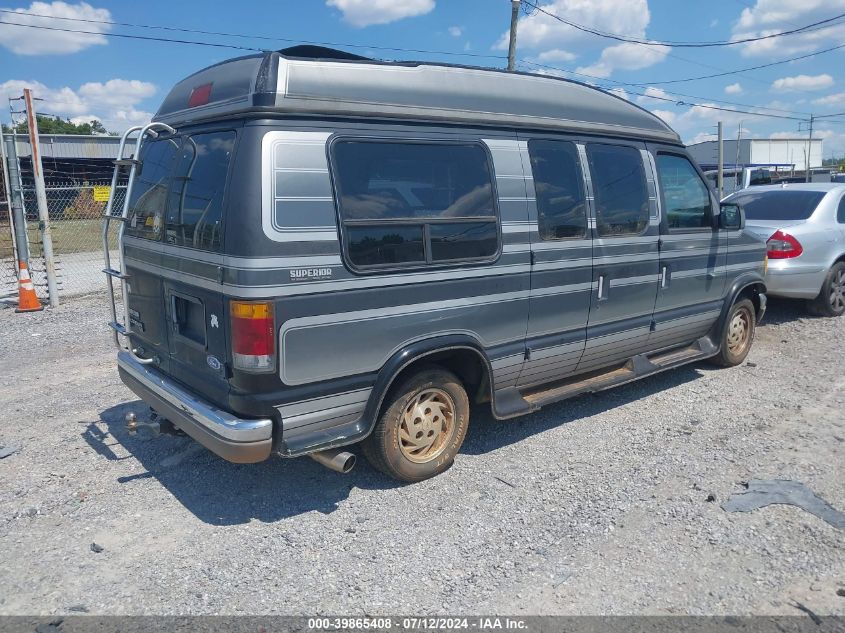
column 235, row 439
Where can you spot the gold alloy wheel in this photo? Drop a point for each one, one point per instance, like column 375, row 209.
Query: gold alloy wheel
column 739, row 332
column 426, row 425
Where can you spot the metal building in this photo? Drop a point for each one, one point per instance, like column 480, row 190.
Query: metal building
column 781, row 154
column 70, row 157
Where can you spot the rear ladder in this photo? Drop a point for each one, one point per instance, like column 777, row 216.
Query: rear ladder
column 123, row 329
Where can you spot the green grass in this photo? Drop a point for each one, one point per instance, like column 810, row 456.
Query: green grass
column 69, row 236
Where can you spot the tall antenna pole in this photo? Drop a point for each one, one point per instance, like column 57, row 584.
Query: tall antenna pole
column 720, row 180
column 41, row 198
column 807, row 178
column 512, row 45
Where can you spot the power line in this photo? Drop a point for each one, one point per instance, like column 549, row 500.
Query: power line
column 741, row 70
column 238, row 35
column 623, row 84
column 132, row 37
column 621, row 38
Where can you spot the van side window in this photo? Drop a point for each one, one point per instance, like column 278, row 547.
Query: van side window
column 686, row 199
column 405, row 203
column 621, row 194
column 195, row 202
column 559, row 188
column 149, row 192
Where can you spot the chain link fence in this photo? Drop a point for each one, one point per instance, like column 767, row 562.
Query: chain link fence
column 76, row 212
column 8, row 265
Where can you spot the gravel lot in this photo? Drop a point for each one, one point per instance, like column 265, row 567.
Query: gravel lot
column 595, row 505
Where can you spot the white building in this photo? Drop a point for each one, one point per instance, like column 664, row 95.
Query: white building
column 785, row 154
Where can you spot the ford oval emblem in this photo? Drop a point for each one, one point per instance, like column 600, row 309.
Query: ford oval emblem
column 215, row 364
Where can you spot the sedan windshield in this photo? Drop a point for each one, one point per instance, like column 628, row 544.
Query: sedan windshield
column 780, row 204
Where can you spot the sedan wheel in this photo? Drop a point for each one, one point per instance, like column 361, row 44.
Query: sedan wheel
column 831, row 299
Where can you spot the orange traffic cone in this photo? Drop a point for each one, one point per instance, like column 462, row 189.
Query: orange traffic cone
column 27, row 299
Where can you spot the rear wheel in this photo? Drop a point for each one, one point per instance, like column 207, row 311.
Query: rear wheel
column 737, row 335
column 422, row 427
column 831, row 299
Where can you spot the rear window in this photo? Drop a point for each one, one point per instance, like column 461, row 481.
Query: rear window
column 178, row 193
column 778, row 205
column 405, row 203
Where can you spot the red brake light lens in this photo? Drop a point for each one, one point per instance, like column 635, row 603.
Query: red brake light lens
column 200, row 95
column 253, row 336
column 783, row 246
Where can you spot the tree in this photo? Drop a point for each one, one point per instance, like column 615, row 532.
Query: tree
column 55, row 125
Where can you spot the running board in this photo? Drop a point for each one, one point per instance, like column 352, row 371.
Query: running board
column 635, row 368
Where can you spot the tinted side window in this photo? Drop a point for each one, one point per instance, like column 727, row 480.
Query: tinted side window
column 195, row 201
column 620, row 189
column 686, row 200
column 414, row 203
column 840, row 212
column 559, row 187
column 148, row 202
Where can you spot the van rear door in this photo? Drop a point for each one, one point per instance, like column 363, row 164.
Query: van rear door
column 173, row 244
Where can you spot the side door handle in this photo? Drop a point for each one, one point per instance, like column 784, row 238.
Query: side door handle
column 601, row 292
column 664, row 277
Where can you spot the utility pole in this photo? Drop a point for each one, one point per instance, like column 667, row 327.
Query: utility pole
column 17, row 213
column 41, row 198
column 807, row 178
column 720, row 180
column 7, row 192
column 512, row 45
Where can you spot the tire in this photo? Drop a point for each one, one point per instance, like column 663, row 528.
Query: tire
column 737, row 334
column 413, row 440
column 831, row 299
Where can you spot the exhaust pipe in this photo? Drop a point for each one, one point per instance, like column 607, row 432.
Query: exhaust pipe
column 335, row 459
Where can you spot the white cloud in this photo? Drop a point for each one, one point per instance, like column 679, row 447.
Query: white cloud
column 29, row 41
column 556, row 55
column 700, row 138
column 456, row 31
column 362, row 13
column 114, row 103
column 667, row 115
column 733, row 89
column 768, row 17
column 834, row 99
column 651, row 91
column 117, row 92
column 542, row 32
column 620, row 92
column 803, row 82
column 625, row 56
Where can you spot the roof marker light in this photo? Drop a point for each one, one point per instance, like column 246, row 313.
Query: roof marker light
column 200, row 95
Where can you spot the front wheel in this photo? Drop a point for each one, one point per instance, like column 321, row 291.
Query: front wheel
column 737, row 334
column 422, row 427
column 831, row 299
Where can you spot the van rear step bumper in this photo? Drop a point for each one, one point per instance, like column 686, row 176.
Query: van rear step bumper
column 234, row 439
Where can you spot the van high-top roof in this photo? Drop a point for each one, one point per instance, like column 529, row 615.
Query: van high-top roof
column 311, row 80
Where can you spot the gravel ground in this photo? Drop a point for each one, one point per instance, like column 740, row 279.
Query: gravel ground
column 595, row 505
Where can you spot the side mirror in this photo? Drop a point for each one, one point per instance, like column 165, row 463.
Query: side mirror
column 731, row 217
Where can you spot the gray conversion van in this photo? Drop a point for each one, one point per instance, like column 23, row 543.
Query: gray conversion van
column 319, row 249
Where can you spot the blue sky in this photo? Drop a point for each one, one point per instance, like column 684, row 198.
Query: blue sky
column 122, row 81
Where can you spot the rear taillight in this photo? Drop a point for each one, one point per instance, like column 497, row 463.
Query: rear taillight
column 783, row 246
column 253, row 336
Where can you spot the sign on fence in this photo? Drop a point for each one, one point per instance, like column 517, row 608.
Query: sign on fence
column 101, row 193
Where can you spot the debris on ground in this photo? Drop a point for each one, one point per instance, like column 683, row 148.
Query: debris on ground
column 96, row 548
column 5, row 451
column 766, row 492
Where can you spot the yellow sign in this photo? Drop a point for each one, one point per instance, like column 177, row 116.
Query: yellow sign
column 101, row 194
